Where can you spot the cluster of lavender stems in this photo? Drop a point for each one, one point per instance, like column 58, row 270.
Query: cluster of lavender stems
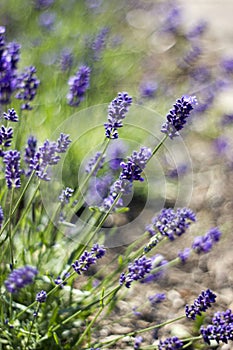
column 168, row 223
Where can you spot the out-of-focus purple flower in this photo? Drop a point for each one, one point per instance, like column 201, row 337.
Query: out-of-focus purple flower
column 9, row 57
column 6, row 136
column 43, row 4
column 30, row 152
column 98, row 189
column 158, row 269
column 12, row 168
column 41, row 296
column 136, row 163
column 27, row 84
column 172, row 18
column 88, row 258
column 137, row 342
column 117, row 110
column 11, row 115
column 78, row 85
column 121, row 186
column 136, row 271
column 227, row 119
column 99, row 43
column 201, row 304
column 176, row 118
column 66, row 60
column 14, row 53
column 116, row 154
column 203, row 244
column 221, row 145
column 148, row 89
column 156, row 298
column 200, row 74
column 93, row 161
column 227, row 65
column 19, row 278
column 179, row 171
column 198, row 29
column 135, row 312
column 184, row 255
column 172, row 223
column 173, row 343
column 1, row 217
column 47, row 20
column 221, row 328
column 191, row 57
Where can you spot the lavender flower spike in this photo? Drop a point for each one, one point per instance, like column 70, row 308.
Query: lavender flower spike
column 203, row 244
column 173, row 343
column 176, row 118
column 78, row 84
column 201, row 304
column 116, row 113
column 132, row 170
column 88, row 258
column 136, row 271
column 20, row 277
column 221, row 328
column 12, row 170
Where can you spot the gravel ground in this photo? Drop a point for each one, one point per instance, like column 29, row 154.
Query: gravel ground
column 212, row 200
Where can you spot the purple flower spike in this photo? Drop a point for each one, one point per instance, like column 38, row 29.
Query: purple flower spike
column 20, row 278
column 136, row 271
column 27, row 84
column 176, row 118
column 221, row 328
column 116, row 113
column 203, row 244
column 170, row 223
column 12, row 170
column 132, row 170
column 173, row 343
column 201, row 304
column 78, row 84
column 88, row 258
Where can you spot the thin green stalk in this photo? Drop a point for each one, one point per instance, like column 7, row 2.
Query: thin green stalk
column 91, row 323
column 87, row 178
column 18, row 202
column 134, row 333
column 10, row 232
column 30, row 331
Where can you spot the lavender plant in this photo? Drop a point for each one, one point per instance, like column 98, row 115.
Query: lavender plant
column 62, row 286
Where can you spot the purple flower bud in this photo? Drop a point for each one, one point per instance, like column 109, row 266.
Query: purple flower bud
column 11, row 115
column 41, row 296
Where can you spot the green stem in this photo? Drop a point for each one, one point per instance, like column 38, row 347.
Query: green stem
column 18, row 202
column 90, row 324
column 134, row 333
column 87, row 178
column 10, row 232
